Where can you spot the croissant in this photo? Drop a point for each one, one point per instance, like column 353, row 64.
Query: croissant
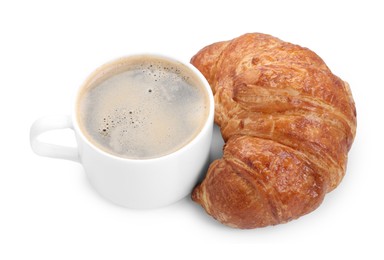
column 288, row 124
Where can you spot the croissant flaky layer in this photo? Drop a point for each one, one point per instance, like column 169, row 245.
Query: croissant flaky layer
column 288, row 123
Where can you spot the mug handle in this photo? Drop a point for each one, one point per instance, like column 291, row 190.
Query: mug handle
column 50, row 123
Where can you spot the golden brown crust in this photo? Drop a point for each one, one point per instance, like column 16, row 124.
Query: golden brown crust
column 288, row 123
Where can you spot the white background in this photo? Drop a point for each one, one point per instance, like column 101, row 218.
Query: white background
column 49, row 211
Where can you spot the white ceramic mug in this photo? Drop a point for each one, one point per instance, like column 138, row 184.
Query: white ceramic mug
column 133, row 183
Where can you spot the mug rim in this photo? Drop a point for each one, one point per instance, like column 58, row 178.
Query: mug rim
column 209, row 120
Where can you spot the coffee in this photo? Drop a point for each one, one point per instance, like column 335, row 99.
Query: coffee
column 142, row 107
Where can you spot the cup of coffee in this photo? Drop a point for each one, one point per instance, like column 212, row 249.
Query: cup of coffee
column 143, row 125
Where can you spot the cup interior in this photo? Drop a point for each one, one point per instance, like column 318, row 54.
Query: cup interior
column 121, row 65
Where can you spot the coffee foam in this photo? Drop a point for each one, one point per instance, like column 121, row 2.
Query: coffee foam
column 144, row 109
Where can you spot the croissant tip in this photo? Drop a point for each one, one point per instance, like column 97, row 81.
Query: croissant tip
column 196, row 194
